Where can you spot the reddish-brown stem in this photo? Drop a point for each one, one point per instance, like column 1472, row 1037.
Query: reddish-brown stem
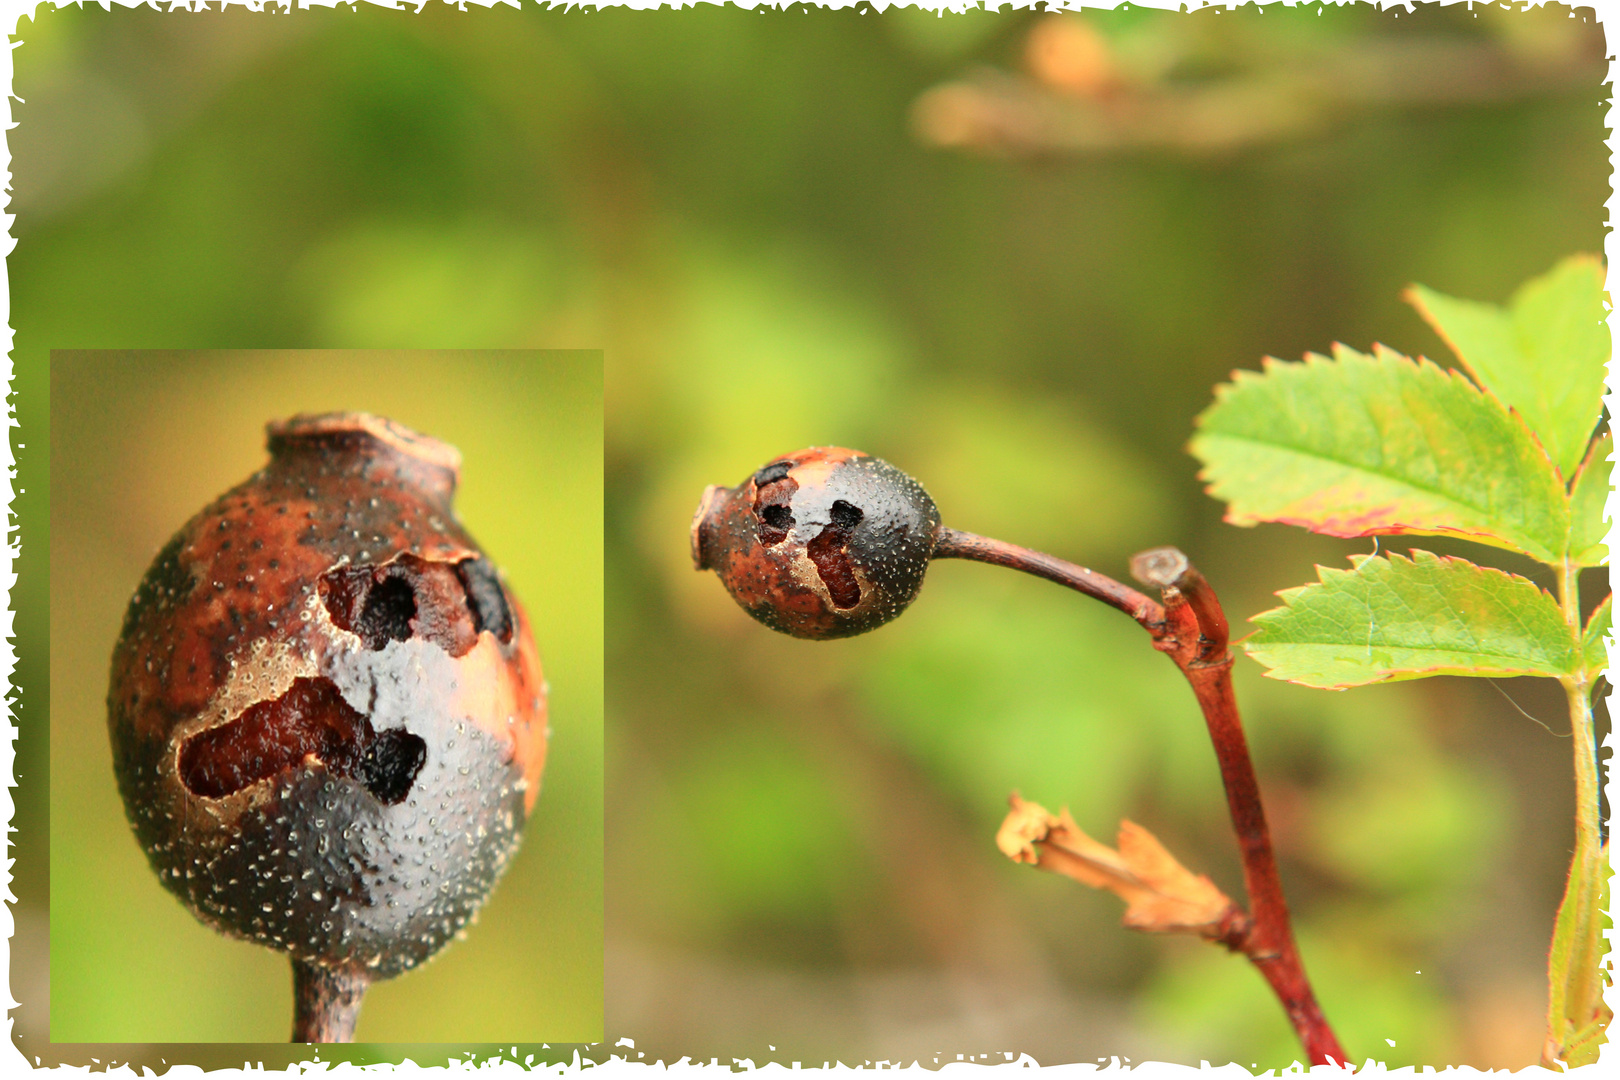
column 951, row 544
column 326, row 1003
column 1270, row 941
column 1192, row 630
column 1213, row 631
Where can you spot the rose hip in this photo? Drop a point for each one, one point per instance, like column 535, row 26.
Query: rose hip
column 327, row 714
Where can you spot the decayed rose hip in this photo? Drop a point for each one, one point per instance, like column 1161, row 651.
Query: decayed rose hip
column 822, row 543
column 328, row 718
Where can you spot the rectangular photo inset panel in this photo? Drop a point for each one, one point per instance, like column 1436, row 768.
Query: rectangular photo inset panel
column 351, row 603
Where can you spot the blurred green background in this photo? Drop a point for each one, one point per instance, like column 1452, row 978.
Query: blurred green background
column 1008, row 251
column 143, row 440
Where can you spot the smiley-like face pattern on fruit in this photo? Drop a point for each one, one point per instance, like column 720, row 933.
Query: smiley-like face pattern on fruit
column 327, row 714
column 823, row 543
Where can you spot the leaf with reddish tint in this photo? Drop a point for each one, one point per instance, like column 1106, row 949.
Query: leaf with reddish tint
column 1586, row 524
column 1543, row 355
column 1361, row 445
column 1597, row 628
column 1160, row 894
column 1397, row 618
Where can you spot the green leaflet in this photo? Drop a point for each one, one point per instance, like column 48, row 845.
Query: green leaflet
column 1360, row 445
column 1597, row 627
column 1586, row 525
column 1398, row 618
column 1544, row 355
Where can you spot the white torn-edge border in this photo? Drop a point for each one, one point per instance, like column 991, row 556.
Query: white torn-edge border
column 624, row 1059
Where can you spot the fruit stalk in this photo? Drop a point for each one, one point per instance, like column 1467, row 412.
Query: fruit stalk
column 326, row 1003
column 1192, row 630
column 955, row 544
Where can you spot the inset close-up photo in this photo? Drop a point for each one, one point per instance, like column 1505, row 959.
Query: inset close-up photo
column 348, row 737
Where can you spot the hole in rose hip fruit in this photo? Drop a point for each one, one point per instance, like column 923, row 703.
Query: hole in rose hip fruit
column 773, row 472
column 410, row 598
column 772, row 505
column 485, row 598
column 390, row 764
column 828, row 552
column 386, row 615
column 311, row 718
column 779, row 518
column 377, row 611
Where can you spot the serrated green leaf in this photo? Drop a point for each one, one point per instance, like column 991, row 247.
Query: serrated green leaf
column 1597, row 627
column 1586, row 525
column 1397, row 618
column 1544, row 355
column 1361, row 445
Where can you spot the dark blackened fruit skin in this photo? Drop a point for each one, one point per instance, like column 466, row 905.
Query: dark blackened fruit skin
column 327, row 715
column 823, row 543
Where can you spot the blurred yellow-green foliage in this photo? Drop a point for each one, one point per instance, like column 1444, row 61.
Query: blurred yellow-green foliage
column 1013, row 260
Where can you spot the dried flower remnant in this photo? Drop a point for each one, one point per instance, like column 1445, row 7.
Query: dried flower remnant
column 1160, row 894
